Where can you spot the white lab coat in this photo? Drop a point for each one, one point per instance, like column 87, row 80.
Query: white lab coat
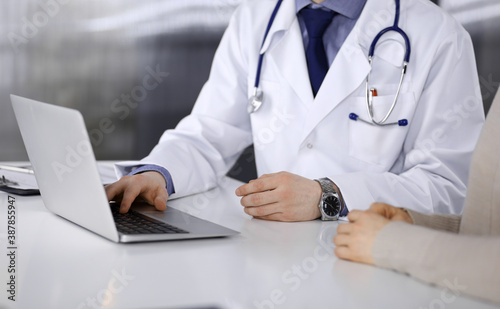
column 423, row 166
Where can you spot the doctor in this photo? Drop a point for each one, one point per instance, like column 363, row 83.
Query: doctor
column 320, row 119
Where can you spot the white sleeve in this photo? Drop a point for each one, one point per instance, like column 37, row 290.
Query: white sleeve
column 464, row 264
column 205, row 144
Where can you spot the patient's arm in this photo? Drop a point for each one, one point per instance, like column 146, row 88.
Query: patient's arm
column 450, row 223
column 462, row 264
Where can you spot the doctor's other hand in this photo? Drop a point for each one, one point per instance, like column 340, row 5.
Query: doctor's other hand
column 390, row 212
column 281, row 197
column 354, row 240
column 149, row 187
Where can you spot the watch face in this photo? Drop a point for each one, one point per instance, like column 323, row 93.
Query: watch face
column 331, row 206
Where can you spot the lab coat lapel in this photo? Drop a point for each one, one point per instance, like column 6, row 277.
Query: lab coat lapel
column 347, row 72
column 284, row 46
column 288, row 52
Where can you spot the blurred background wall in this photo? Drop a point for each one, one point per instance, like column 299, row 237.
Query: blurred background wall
column 135, row 68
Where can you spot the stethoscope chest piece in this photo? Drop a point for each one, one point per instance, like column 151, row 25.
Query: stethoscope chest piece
column 255, row 101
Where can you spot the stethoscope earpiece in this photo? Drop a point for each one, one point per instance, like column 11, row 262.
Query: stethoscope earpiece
column 371, row 92
column 401, row 122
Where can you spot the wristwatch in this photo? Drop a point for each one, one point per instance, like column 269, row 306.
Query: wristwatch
column 331, row 203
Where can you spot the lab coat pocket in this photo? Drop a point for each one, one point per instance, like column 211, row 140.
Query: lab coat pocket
column 379, row 145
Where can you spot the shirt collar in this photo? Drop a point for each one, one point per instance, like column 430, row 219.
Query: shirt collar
column 349, row 8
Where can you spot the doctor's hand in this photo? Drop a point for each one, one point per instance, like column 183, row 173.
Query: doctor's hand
column 281, row 197
column 149, row 187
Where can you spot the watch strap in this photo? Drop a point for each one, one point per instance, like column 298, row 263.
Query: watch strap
column 326, row 185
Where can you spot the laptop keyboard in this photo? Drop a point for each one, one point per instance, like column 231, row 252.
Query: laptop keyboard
column 133, row 222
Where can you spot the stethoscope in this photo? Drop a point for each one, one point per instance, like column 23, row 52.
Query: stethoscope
column 255, row 101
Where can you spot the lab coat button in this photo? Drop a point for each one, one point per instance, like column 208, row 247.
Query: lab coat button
column 309, row 145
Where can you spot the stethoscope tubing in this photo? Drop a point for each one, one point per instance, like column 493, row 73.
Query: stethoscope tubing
column 261, row 57
column 256, row 100
column 369, row 96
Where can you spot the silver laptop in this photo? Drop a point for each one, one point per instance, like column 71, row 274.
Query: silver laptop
column 66, row 171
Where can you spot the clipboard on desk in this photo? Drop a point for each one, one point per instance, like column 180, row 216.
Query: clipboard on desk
column 21, row 180
column 18, row 180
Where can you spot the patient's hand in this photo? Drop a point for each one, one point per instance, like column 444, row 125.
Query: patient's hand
column 149, row 187
column 390, row 212
column 354, row 240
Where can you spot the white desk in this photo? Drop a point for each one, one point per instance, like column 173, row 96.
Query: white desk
column 61, row 265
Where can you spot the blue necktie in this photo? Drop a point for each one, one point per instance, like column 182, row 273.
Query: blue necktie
column 316, row 21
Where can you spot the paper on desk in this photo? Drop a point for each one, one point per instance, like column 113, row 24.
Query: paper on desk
column 107, row 173
column 18, row 180
column 25, row 181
